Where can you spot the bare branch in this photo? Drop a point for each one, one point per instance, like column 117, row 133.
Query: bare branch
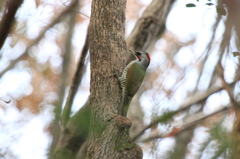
column 194, row 100
column 149, row 27
column 57, row 19
column 75, row 83
column 8, row 18
column 225, row 85
column 180, row 129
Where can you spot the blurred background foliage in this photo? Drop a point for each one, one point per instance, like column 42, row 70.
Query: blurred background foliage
column 186, row 107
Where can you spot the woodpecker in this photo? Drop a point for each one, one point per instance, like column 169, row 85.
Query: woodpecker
column 132, row 77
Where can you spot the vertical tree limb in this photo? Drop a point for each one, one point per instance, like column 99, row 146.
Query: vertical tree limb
column 67, row 52
column 77, row 78
column 74, row 130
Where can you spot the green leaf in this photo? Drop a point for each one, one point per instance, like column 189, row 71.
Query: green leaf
column 190, row 5
column 165, row 117
column 236, row 54
column 223, row 138
column 221, row 10
column 209, row 4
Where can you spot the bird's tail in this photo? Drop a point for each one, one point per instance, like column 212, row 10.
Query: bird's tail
column 126, row 103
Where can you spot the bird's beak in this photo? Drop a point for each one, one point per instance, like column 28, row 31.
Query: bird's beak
column 133, row 52
column 136, row 54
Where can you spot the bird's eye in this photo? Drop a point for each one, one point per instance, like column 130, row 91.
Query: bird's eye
column 138, row 53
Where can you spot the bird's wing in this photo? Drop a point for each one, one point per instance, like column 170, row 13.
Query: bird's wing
column 135, row 75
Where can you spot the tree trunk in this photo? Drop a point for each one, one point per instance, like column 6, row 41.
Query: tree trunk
column 109, row 132
column 235, row 153
column 232, row 24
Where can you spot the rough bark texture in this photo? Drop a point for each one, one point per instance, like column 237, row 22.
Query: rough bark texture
column 108, row 136
column 74, row 134
column 232, row 24
column 235, row 153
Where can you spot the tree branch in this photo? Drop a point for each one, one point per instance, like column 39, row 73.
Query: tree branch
column 40, row 36
column 177, row 130
column 77, row 78
column 8, row 19
column 149, row 26
column 194, row 100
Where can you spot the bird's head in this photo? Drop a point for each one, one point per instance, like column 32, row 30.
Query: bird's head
column 142, row 56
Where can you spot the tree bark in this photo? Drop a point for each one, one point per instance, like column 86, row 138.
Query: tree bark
column 108, row 136
column 74, row 134
column 232, row 24
column 235, row 152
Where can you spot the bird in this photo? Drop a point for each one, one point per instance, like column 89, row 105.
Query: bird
column 132, row 77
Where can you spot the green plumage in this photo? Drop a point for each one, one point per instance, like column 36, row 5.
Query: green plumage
column 132, row 78
column 135, row 75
